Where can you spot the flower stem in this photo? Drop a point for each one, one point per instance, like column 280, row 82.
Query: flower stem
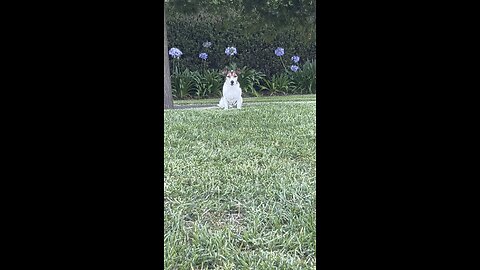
column 178, row 65
column 281, row 60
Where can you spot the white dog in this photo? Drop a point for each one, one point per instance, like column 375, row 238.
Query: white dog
column 232, row 93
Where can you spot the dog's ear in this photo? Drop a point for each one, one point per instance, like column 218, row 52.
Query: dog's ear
column 225, row 71
column 238, row 71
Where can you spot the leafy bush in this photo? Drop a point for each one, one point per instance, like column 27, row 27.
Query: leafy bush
column 208, row 83
column 250, row 81
column 183, row 83
column 305, row 80
column 279, row 84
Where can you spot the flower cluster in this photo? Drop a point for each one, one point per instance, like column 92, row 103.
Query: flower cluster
column 295, row 60
column 203, row 56
column 230, row 51
column 279, row 51
column 175, row 53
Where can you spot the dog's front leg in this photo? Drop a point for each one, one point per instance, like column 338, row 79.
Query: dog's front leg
column 223, row 103
column 239, row 103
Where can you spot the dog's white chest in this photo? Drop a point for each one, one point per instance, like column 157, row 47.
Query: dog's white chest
column 232, row 93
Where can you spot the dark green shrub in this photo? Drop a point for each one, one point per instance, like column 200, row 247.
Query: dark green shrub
column 255, row 44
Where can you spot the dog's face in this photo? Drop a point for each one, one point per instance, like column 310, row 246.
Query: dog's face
column 231, row 76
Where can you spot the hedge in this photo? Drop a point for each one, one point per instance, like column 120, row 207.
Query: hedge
column 255, row 45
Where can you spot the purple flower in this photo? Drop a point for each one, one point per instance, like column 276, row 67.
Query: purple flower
column 230, row 51
column 204, row 56
column 295, row 58
column 279, row 51
column 294, row 68
column 175, row 53
column 207, row 44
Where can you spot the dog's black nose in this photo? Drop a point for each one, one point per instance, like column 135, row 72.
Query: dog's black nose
column 232, row 82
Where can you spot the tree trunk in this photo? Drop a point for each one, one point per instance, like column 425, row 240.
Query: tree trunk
column 167, row 85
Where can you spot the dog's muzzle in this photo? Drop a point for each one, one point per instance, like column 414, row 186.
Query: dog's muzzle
column 232, row 82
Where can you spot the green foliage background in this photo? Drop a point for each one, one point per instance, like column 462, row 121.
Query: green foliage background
column 255, row 41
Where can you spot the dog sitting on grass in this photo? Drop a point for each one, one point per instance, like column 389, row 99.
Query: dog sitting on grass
column 232, row 93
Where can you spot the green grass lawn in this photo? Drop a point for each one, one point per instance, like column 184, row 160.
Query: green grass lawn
column 240, row 188
column 249, row 99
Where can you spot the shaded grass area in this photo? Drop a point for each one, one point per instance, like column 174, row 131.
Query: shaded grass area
column 240, row 188
column 249, row 99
